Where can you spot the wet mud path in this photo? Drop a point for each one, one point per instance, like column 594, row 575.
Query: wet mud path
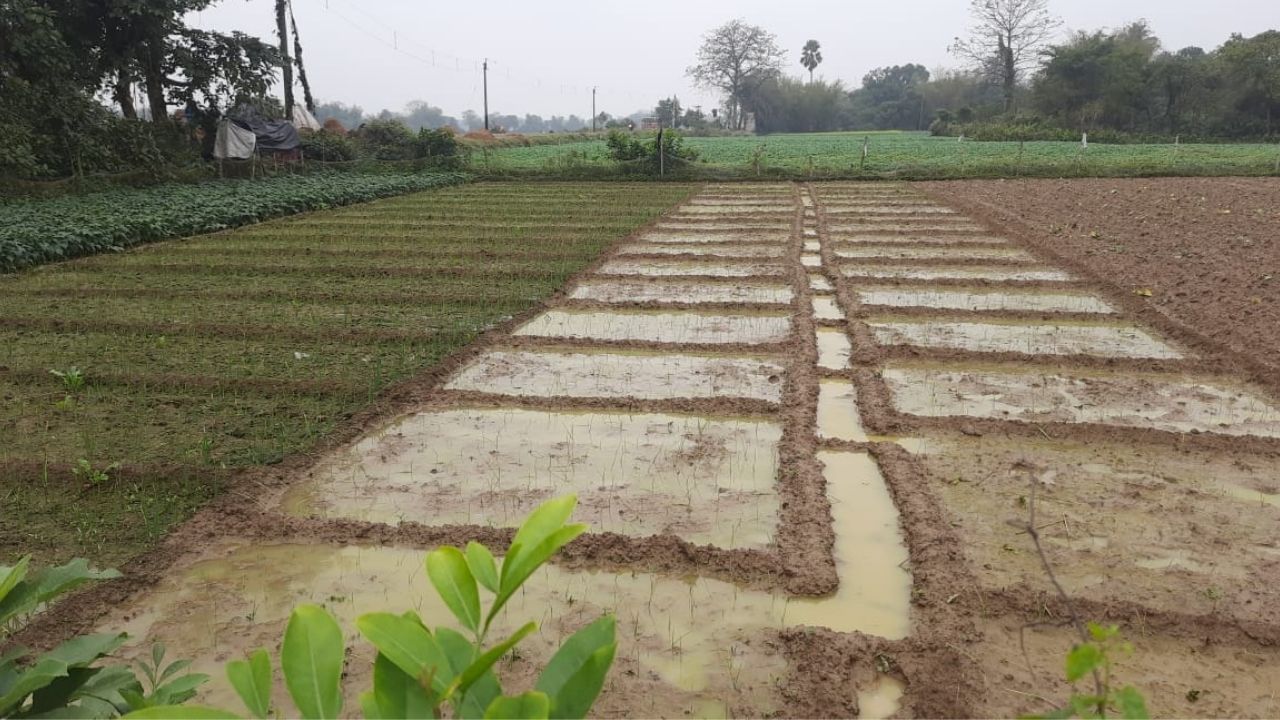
column 803, row 422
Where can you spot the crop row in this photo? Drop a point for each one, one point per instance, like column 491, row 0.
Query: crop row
column 911, row 155
column 196, row 356
column 39, row 231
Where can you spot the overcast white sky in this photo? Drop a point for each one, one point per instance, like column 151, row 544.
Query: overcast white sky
column 546, row 54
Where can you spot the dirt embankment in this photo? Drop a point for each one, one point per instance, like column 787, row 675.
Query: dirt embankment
column 1207, row 249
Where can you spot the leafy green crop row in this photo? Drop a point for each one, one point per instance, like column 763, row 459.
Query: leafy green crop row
column 897, row 155
column 40, row 231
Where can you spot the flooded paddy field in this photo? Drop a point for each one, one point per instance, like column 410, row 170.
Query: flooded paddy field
column 809, row 448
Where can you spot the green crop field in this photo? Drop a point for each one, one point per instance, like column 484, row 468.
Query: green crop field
column 184, row 360
column 901, row 155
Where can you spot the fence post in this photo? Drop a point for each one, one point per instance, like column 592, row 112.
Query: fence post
column 662, row 156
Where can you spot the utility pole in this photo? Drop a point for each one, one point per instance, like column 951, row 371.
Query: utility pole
column 486, row 93
column 593, row 108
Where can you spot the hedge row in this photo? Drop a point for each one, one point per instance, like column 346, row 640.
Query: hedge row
column 39, row 231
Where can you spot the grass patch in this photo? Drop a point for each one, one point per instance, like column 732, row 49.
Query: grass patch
column 225, row 351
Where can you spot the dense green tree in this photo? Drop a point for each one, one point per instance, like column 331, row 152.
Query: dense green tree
column 891, row 98
column 1100, row 79
column 788, row 105
column 1252, row 66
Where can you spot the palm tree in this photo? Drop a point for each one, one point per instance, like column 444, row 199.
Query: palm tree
column 811, row 56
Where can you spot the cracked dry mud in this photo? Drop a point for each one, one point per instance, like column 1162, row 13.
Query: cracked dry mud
column 805, row 446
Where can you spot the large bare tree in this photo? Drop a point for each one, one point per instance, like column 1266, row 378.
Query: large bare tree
column 1005, row 39
column 737, row 58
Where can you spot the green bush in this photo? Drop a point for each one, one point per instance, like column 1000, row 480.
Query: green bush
column 643, row 150
column 328, row 146
column 440, row 148
column 387, row 140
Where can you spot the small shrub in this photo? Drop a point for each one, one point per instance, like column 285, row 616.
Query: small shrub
column 440, row 148
column 328, row 146
column 627, row 147
column 1095, row 657
column 387, row 140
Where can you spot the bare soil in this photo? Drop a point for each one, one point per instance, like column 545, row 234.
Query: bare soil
column 1207, row 249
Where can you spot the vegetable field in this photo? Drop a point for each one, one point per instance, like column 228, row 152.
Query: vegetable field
column 185, row 360
column 902, row 155
column 33, row 232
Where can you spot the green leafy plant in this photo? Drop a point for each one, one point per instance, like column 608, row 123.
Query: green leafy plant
column 62, row 681
column 166, row 684
column 96, row 476
column 72, row 379
column 425, row 672
column 1095, row 657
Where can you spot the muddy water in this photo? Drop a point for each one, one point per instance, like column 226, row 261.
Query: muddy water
column 696, row 238
column 936, row 252
column 833, row 348
column 620, row 375
column 871, row 556
column 735, row 226
column 626, row 291
column 672, row 327
column 888, row 209
column 706, row 480
column 687, row 646
column 720, row 249
column 838, row 416
column 1143, row 400
column 1161, row 537
column 734, row 209
column 983, row 299
column 688, row 267
column 925, row 272
column 1039, row 339
column 944, row 240
column 903, row 226
column 818, row 283
column 811, row 260
column 825, row 308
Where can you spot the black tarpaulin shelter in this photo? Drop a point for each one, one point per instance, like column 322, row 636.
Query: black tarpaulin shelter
column 272, row 135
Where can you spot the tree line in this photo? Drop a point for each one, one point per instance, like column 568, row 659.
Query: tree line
column 61, row 59
column 1016, row 81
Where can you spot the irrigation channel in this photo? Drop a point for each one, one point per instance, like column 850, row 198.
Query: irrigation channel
column 803, row 422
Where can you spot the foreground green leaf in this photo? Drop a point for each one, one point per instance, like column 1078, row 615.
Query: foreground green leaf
column 311, row 658
column 252, row 682
column 575, row 675
column 532, row 705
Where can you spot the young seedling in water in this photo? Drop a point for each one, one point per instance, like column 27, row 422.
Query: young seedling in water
column 425, row 672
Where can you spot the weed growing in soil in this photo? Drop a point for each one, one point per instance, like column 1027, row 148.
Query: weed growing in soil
column 85, row 470
column 421, row 671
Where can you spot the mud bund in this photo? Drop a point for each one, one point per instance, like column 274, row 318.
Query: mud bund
column 806, row 466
